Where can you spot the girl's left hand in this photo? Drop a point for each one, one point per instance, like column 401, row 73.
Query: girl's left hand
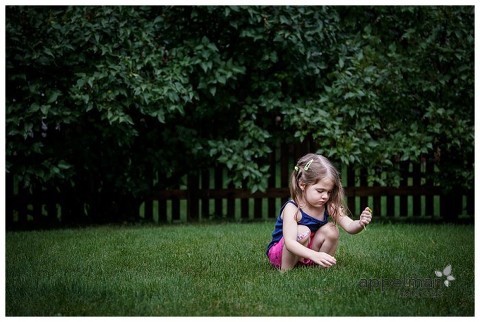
column 366, row 216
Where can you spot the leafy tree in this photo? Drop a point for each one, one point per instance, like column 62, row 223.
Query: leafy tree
column 402, row 90
column 101, row 100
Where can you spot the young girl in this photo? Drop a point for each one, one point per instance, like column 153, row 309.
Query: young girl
column 303, row 235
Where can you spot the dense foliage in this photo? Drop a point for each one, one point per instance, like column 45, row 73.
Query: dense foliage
column 102, row 99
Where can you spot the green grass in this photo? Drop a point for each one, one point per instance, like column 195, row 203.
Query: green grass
column 221, row 270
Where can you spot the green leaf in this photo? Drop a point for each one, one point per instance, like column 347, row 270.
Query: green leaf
column 161, row 117
column 205, row 66
column 213, row 90
column 53, row 96
column 222, row 79
column 44, row 109
column 63, row 165
column 49, row 52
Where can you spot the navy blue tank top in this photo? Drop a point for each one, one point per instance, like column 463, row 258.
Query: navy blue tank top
column 312, row 223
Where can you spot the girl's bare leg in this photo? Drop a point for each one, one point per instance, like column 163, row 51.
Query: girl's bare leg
column 326, row 239
column 289, row 260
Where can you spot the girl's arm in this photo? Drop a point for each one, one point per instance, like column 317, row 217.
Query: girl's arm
column 290, row 227
column 355, row 226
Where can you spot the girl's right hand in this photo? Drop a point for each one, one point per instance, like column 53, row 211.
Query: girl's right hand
column 324, row 259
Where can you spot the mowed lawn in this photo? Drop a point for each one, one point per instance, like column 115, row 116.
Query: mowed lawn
column 222, row 270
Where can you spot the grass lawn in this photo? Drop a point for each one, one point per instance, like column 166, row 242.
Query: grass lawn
column 222, row 270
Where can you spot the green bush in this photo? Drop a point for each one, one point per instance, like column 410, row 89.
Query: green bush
column 105, row 104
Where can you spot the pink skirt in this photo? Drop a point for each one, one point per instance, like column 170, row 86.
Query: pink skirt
column 275, row 254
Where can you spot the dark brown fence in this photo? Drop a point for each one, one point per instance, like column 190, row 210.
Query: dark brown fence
column 205, row 195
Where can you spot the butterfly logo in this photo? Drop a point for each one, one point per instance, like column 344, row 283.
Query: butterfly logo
column 447, row 272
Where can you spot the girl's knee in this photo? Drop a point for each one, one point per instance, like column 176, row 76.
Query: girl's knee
column 303, row 234
column 330, row 231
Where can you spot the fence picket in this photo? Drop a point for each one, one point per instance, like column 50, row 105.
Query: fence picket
column 257, row 208
column 351, row 183
column 205, row 185
column 272, row 182
column 284, row 168
column 231, row 204
column 417, row 180
column 162, row 211
column 245, row 209
column 429, row 200
column 148, row 210
column 193, row 199
column 176, row 208
column 404, row 182
column 363, row 199
column 218, row 185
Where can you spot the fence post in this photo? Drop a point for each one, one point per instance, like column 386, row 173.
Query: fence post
column 231, row 203
column 37, row 207
column 450, row 206
column 417, row 180
column 284, row 165
column 257, row 208
column 9, row 204
column 377, row 204
column 218, row 185
column 244, row 207
column 148, row 210
column 205, row 186
column 404, row 173
column 271, row 184
column 175, row 207
column 429, row 200
column 471, row 203
column 192, row 197
column 52, row 208
column 162, row 211
column 363, row 183
column 351, row 184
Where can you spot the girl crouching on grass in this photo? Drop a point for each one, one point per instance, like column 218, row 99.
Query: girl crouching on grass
column 302, row 234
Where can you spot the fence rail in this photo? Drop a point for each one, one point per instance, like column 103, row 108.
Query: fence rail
column 206, row 195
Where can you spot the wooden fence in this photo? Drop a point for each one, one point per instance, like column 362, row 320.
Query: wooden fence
column 206, row 196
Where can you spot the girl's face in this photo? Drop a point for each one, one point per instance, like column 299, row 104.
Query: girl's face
column 317, row 195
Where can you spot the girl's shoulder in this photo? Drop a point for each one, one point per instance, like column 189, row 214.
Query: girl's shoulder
column 291, row 209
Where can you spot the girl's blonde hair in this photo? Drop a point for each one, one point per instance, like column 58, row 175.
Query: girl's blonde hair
column 310, row 169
